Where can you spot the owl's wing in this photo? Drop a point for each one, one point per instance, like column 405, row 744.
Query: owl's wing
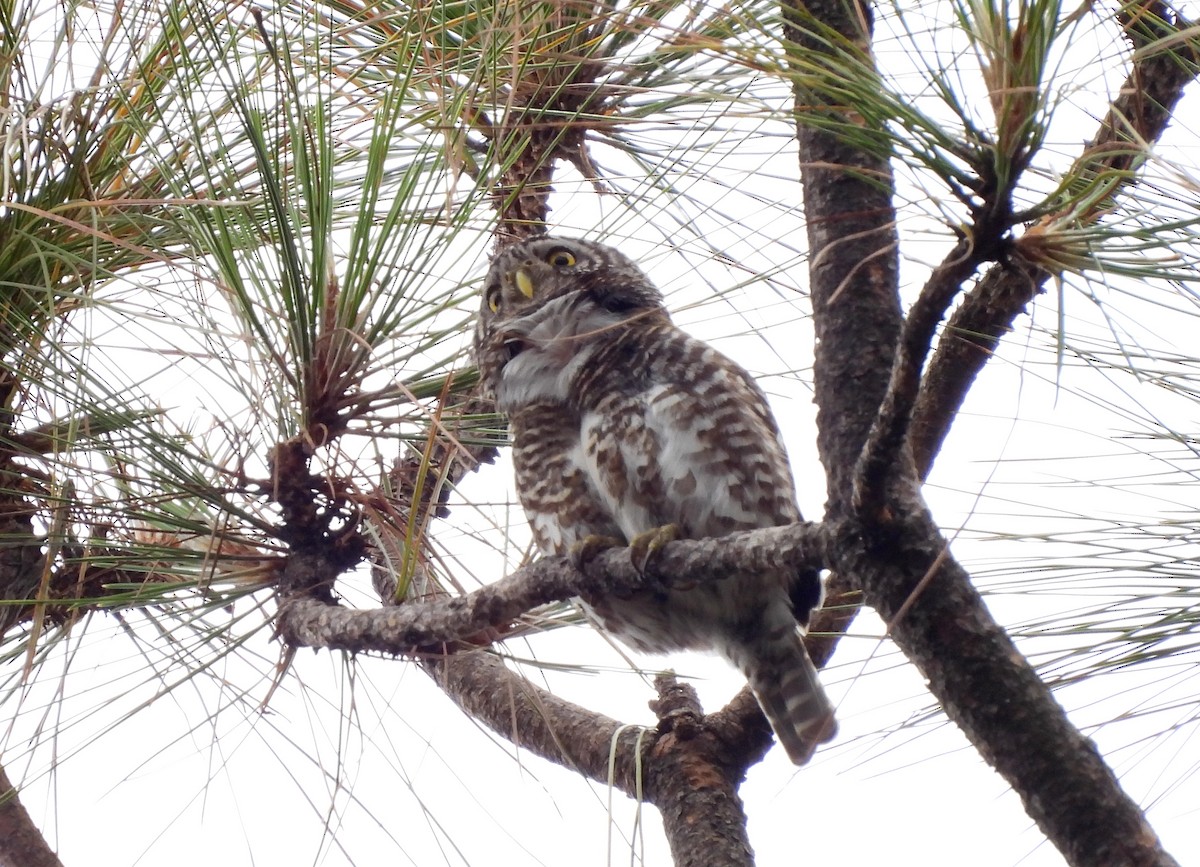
column 692, row 442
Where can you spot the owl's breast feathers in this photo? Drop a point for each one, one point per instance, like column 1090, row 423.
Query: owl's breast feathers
column 553, row 481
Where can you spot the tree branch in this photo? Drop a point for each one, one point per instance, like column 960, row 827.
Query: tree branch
column 994, row 695
column 1136, row 118
column 21, row 843
column 694, row 781
column 683, row 767
column 851, row 225
column 895, row 552
column 539, row 721
column 967, row 343
column 305, row 621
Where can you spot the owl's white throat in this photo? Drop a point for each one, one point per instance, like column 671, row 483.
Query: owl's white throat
column 549, row 346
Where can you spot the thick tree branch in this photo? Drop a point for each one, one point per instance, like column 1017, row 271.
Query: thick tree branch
column 695, row 781
column 539, row 721
column 21, row 843
column 852, row 240
column 894, row 551
column 682, row 767
column 988, row 688
column 305, row 621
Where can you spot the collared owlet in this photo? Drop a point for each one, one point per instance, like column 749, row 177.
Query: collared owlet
column 622, row 424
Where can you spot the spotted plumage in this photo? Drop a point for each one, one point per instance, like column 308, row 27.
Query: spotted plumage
column 623, row 423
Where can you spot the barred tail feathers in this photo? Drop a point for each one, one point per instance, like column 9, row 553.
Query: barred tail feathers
column 785, row 683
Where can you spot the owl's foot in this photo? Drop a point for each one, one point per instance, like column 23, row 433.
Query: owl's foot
column 644, row 548
column 584, row 552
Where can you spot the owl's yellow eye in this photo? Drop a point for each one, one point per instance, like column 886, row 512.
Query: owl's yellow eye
column 493, row 300
column 561, row 258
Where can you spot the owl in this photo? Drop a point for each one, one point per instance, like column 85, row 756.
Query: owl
column 623, row 424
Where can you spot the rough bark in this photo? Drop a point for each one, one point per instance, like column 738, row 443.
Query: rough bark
column 986, row 686
column 852, row 242
column 21, row 843
column 886, row 542
column 306, row 620
column 684, row 766
column 695, row 782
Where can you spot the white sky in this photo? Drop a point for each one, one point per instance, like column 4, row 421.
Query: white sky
column 419, row 783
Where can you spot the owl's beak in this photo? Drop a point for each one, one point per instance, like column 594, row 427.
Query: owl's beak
column 524, row 282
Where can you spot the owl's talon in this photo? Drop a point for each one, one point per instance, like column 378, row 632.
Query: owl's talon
column 584, row 552
column 644, row 548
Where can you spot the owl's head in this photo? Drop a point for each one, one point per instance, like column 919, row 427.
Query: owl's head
column 525, row 277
